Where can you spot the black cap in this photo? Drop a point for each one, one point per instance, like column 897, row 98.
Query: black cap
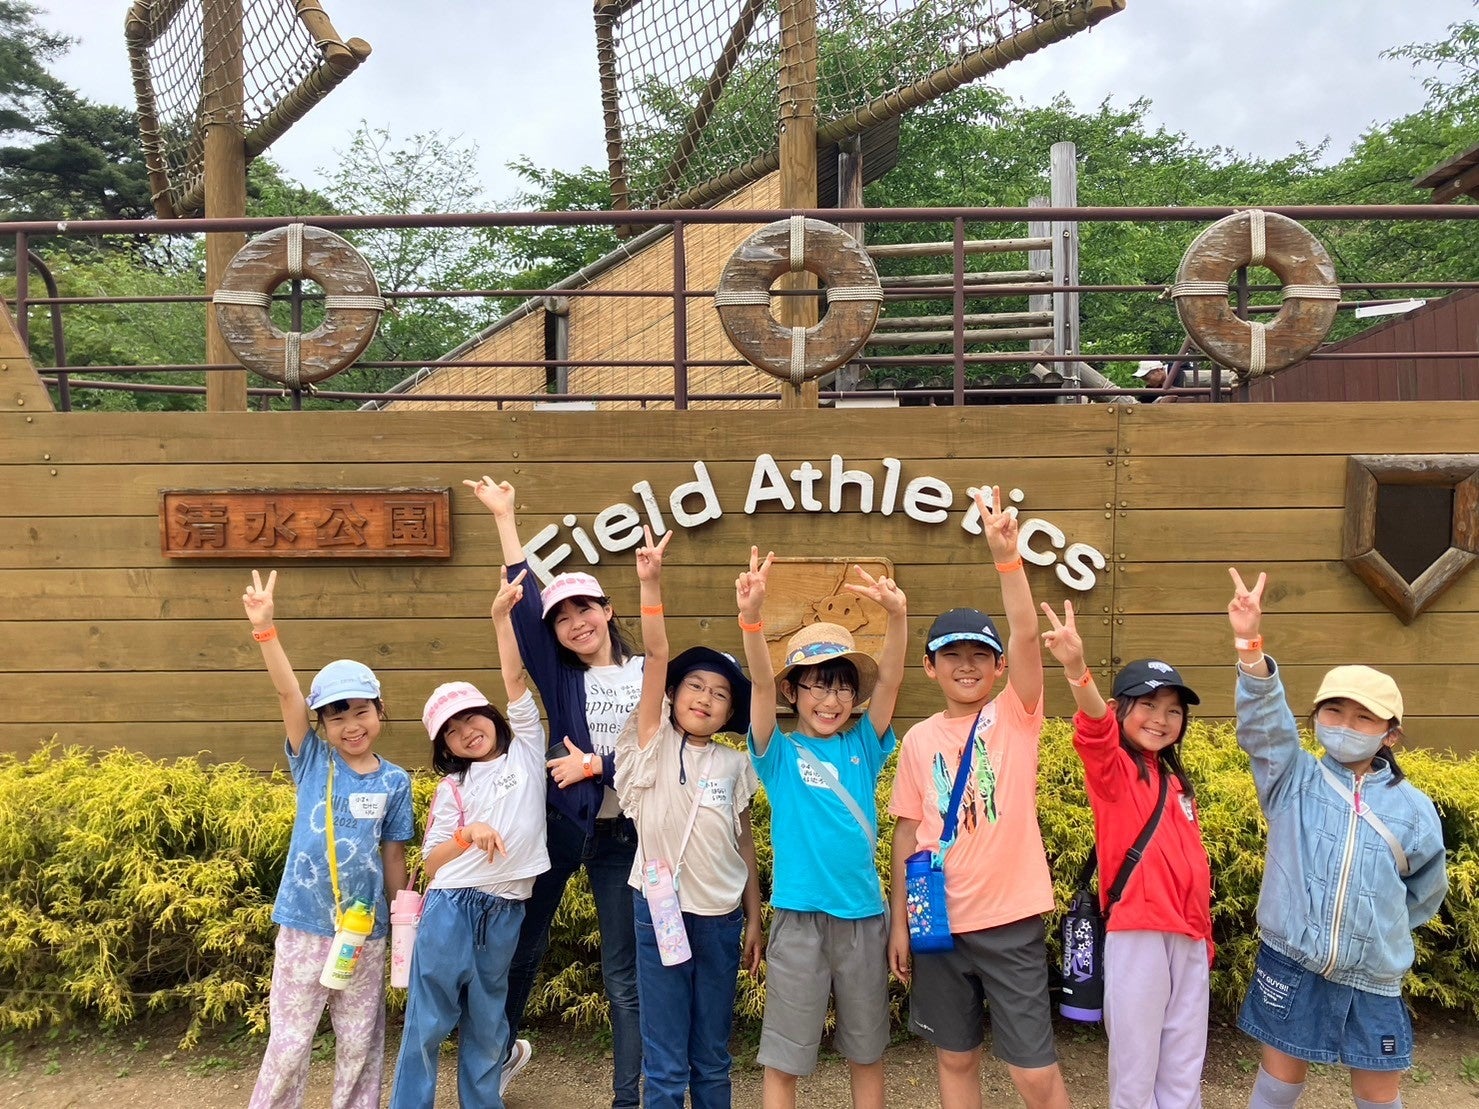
column 706, row 658
column 959, row 624
column 1146, row 675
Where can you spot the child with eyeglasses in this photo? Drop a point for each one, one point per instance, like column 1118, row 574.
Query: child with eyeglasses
column 829, row 936
column 689, row 796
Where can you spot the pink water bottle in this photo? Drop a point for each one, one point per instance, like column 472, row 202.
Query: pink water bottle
column 666, row 912
column 405, row 917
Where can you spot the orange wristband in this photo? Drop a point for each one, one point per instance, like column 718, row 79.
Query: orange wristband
column 755, row 627
column 1084, row 679
column 264, row 635
column 460, row 840
column 652, row 610
column 1008, row 567
column 1254, row 644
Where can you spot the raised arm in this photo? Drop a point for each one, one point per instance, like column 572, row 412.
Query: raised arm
column 885, row 593
column 257, row 600
column 1024, row 652
column 498, row 497
column 749, row 595
column 1064, row 644
column 510, row 661
column 1245, row 614
column 654, row 638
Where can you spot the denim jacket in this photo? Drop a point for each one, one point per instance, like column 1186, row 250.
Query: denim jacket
column 1332, row 898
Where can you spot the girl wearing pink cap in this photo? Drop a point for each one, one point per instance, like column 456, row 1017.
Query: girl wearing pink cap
column 483, row 851
column 590, row 682
column 1355, row 862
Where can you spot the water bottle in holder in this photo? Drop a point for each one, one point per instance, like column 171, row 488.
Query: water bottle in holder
column 666, row 912
column 924, row 886
column 355, row 927
column 1082, row 986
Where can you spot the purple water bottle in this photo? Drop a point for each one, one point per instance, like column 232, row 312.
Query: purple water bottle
column 666, row 912
column 1082, row 989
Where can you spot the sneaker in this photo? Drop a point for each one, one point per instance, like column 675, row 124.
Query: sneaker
column 518, row 1058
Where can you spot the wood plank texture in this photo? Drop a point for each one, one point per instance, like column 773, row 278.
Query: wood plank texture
column 110, row 644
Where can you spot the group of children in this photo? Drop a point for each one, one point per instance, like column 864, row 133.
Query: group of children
column 636, row 790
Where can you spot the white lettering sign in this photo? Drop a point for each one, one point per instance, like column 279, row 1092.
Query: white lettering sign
column 829, row 487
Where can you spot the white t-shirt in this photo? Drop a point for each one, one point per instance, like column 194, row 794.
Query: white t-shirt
column 611, row 695
column 712, row 872
column 507, row 794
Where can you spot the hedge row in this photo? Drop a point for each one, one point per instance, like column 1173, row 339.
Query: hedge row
column 129, row 883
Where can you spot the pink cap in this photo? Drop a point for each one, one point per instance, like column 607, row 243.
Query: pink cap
column 446, row 701
column 407, row 902
column 566, row 586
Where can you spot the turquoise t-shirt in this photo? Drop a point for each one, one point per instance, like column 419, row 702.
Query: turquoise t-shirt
column 368, row 808
column 823, row 861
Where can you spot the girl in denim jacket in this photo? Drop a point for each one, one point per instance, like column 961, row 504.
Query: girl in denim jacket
column 1355, row 862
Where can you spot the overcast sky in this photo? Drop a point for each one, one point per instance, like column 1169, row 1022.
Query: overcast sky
column 1258, row 76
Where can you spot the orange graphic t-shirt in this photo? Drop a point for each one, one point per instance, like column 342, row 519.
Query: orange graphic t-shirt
column 996, row 871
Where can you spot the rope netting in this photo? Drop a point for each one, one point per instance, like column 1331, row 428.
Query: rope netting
column 690, row 88
column 271, row 61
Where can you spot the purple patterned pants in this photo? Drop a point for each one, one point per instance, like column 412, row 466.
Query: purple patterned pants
column 297, row 1002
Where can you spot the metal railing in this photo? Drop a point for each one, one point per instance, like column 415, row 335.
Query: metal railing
column 957, row 363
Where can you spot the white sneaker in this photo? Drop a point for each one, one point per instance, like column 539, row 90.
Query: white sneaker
column 518, row 1058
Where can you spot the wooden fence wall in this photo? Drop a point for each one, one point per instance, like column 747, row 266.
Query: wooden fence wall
column 108, row 643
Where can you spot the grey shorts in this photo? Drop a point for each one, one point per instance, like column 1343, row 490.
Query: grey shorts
column 812, row 956
column 1005, row 967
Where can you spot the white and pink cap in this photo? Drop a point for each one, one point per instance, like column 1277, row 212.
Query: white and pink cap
column 446, row 701
column 566, row 586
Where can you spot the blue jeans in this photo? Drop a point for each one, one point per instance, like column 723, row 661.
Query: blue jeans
column 687, row 1010
column 607, row 855
column 459, row 979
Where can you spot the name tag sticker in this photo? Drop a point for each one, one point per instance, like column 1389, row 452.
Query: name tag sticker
column 367, row 806
column 811, row 777
column 717, row 792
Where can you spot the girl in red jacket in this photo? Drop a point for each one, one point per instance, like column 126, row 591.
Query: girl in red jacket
column 1158, row 945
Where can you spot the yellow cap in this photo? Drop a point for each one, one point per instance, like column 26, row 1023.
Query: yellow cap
column 359, row 917
column 1368, row 687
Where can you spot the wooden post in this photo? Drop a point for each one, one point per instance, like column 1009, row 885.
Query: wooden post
column 1041, row 260
column 1063, row 185
column 225, row 183
column 798, row 154
column 850, row 195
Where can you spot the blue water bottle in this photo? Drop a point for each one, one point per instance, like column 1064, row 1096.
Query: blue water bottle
column 929, row 919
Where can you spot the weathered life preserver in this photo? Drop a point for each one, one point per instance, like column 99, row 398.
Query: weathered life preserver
column 797, row 354
column 1256, row 238
column 352, row 304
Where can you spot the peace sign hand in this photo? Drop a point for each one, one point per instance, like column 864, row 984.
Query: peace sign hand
column 882, row 591
column 510, row 593
column 1245, row 610
column 1062, row 639
column 257, row 600
column 649, row 556
column 749, row 587
column 999, row 525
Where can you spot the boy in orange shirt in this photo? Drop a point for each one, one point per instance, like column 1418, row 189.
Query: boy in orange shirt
column 997, row 885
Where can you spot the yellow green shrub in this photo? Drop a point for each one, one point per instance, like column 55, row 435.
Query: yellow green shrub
column 128, row 883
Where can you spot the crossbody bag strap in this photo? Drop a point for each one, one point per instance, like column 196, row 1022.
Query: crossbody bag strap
column 698, row 799
column 962, row 772
column 1137, row 850
column 329, row 844
column 1364, row 812
column 824, row 772
column 431, row 819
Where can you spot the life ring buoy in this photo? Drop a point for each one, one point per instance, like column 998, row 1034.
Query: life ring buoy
column 1256, row 238
column 352, row 304
column 852, row 291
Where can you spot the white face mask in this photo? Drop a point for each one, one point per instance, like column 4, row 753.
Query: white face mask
column 1346, row 745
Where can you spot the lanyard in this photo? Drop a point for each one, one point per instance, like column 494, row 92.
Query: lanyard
column 329, row 833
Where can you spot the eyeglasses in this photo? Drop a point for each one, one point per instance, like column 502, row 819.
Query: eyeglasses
column 715, row 693
column 845, row 696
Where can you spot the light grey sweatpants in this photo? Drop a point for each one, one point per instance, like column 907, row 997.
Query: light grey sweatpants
column 1156, row 998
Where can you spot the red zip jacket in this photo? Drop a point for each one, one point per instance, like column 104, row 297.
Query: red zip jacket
column 1171, row 889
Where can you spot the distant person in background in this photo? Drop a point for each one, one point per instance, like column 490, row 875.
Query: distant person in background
column 1154, row 374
